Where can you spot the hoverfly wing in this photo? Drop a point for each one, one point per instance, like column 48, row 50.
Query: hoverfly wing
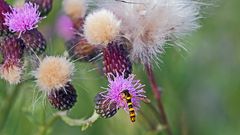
column 144, row 99
column 104, row 107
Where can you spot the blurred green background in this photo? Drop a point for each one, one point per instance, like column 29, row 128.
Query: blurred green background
column 200, row 87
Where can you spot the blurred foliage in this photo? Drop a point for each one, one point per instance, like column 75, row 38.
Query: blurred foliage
column 200, row 87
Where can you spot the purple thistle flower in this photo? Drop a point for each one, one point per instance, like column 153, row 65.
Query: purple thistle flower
column 23, row 18
column 119, row 84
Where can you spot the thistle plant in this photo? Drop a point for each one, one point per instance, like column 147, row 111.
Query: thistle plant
column 114, row 34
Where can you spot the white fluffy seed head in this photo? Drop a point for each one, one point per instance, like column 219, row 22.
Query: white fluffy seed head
column 101, row 27
column 149, row 24
column 53, row 73
column 11, row 74
column 74, row 8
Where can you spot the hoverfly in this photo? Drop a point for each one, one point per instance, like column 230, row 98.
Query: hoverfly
column 128, row 98
column 106, row 108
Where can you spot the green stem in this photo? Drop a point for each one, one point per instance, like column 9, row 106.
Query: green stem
column 43, row 130
column 85, row 123
column 8, row 106
column 155, row 111
column 150, row 123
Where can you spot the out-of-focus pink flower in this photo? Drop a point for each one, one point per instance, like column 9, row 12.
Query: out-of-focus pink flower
column 64, row 27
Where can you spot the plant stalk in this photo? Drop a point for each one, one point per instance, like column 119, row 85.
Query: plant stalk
column 84, row 123
column 43, row 130
column 157, row 94
column 8, row 105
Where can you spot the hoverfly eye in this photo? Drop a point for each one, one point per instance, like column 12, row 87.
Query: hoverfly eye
column 122, row 95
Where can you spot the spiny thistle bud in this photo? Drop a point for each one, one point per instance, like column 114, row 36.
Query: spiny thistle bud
column 45, row 6
column 63, row 98
column 12, row 50
column 116, row 59
column 23, row 18
column 4, row 8
column 80, row 49
column 101, row 27
column 34, row 41
column 53, row 76
column 75, row 9
column 104, row 107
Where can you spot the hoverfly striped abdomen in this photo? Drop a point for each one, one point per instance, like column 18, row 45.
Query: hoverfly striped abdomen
column 128, row 97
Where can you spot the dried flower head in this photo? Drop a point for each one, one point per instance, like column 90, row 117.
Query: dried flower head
column 23, row 18
column 11, row 72
column 53, row 73
column 108, row 102
column 149, row 24
column 54, row 78
column 101, row 27
column 12, row 50
column 74, row 8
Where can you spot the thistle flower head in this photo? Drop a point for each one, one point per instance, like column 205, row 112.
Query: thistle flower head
column 149, row 24
column 53, row 73
column 120, row 84
column 45, row 6
column 74, row 8
column 101, row 27
column 23, row 18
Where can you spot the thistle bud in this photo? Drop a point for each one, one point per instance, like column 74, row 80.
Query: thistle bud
column 63, row 98
column 116, row 59
column 34, row 41
column 45, row 6
column 12, row 50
